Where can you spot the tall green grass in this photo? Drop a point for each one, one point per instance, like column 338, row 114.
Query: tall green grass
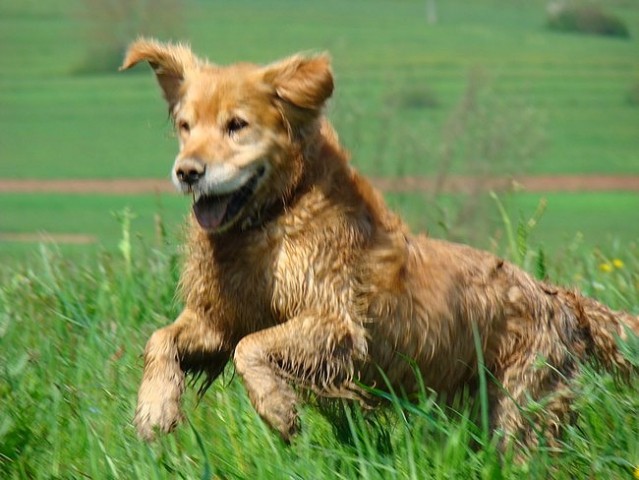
column 71, row 337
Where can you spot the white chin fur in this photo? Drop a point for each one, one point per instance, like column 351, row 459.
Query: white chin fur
column 219, row 179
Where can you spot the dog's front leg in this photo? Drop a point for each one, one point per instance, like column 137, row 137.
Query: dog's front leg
column 316, row 351
column 189, row 344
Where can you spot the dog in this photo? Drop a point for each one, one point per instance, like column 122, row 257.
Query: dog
column 298, row 272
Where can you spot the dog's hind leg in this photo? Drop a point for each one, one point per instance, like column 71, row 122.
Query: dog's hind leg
column 528, row 421
column 187, row 345
column 313, row 351
column 531, row 396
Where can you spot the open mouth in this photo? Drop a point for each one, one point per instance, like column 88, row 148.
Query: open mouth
column 214, row 212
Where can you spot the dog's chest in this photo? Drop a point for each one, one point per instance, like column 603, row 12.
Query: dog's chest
column 310, row 272
column 254, row 283
column 269, row 276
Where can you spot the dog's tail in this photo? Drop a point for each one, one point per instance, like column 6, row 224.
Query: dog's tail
column 608, row 330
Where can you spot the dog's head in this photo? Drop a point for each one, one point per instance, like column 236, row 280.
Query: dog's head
column 240, row 127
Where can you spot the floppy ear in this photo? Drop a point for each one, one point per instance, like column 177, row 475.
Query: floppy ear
column 305, row 83
column 169, row 61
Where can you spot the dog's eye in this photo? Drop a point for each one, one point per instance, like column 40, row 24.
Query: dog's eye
column 184, row 126
column 235, row 124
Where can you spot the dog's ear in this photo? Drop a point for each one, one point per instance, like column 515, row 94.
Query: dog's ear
column 302, row 82
column 170, row 62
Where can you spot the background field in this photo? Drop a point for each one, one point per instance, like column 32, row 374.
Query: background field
column 75, row 314
column 399, row 81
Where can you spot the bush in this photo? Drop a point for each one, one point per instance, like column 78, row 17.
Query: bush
column 415, row 97
column 587, row 19
column 633, row 94
column 110, row 25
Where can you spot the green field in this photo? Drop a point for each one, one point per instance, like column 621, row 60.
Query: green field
column 74, row 318
column 58, row 123
column 379, row 49
column 598, row 219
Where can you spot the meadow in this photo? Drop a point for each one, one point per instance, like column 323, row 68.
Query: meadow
column 399, row 83
column 74, row 317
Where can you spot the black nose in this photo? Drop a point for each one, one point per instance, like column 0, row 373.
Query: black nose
column 189, row 177
column 189, row 173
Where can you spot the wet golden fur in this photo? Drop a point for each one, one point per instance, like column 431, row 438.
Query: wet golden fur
column 316, row 284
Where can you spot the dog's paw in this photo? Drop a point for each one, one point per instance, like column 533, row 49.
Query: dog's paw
column 157, row 416
column 280, row 413
column 290, row 428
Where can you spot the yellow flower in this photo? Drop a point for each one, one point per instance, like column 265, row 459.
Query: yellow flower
column 605, row 267
column 636, row 474
column 617, row 263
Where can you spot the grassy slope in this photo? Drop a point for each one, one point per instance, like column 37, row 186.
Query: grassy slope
column 601, row 218
column 112, row 125
column 57, row 125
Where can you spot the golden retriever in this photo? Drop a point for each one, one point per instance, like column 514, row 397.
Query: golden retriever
column 298, row 271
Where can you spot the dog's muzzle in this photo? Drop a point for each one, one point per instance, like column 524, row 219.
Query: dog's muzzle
column 189, row 172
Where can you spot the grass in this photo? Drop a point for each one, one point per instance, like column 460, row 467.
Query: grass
column 598, row 219
column 66, row 403
column 58, row 124
column 116, row 123
column 567, row 217
column 96, row 215
column 93, row 214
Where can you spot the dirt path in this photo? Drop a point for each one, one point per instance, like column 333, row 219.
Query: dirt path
column 128, row 186
column 49, row 237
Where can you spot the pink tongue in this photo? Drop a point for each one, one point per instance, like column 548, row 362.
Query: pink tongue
column 209, row 211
